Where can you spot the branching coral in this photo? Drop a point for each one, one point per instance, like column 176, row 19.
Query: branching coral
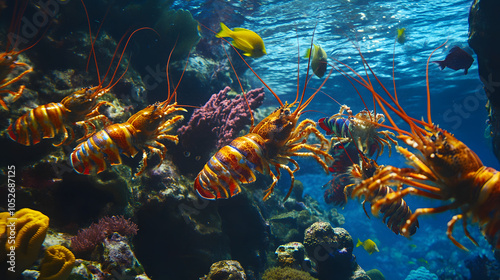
column 220, row 119
column 87, row 239
column 213, row 126
column 57, row 263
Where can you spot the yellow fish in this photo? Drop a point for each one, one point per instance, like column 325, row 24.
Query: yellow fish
column 368, row 245
column 246, row 40
column 318, row 62
column 401, row 35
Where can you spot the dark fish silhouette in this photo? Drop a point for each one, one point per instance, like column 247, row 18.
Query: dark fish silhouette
column 456, row 59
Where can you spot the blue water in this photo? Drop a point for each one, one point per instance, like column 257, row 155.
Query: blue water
column 338, row 26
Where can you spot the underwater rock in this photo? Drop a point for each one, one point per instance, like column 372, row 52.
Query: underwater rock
column 481, row 267
column 331, row 249
column 119, row 258
column 421, row 274
column 226, row 270
column 280, row 273
column 484, row 39
column 293, row 254
column 289, row 226
column 170, row 25
column 177, row 230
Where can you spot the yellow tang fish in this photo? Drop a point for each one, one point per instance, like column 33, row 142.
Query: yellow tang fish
column 368, row 245
column 318, row 62
column 246, row 40
column 401, row 35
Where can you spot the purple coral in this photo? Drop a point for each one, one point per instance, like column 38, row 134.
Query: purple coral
column 87, row 239
column 220, row 119
column 119, row 224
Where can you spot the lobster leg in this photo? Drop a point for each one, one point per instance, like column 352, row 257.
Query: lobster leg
column 467, row 233
column 449, row 231
column 144, row 164
column 269, row 191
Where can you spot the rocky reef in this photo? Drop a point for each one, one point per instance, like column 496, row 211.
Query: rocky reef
column 484, row 39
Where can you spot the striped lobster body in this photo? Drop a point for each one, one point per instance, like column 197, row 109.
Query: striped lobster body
column 232, row 164
column 336, row 126
column 91, row 155
column 45, row 121
column 140, row 131
column 362, row 129
column 271, row 142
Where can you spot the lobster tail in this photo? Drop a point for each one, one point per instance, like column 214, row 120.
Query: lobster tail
column 231, row 165
column 396, row 213
column 44, row 121
column 91, row 156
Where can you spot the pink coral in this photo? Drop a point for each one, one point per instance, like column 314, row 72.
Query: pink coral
column 220, row 119
column 87, row 239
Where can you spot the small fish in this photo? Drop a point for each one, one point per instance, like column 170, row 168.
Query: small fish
column 456, row 59
column 422, row 261
column 318, row 62
column 401, row 35
column 368, row 245
column 246, row 40
column 412, row 246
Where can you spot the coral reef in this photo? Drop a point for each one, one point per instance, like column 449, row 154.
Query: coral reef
column 421, row 274
column 331, row 249
column 216, row 124
column 481, row 267
column 484, row 40
column 293, row 254
column 226, row 270
column 87, row 239
column 57, row 263
column 286, row 273
column 118, row 257
column 29, row 227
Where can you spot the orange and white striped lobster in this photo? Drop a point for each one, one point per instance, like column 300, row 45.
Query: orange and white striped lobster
column 272, row 142
column 142, row 130
column 444, row 169
column 8, row 58
column 79, row 108
column 356, row 139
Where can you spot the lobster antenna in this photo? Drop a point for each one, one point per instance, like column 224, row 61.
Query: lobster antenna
column 182, row 75
column 15, row 24
column 242, row 90
column 298, row 65
column 393, row 66
column 427, row 83
column 308, row 67
column 92, row 43
column 166, row 69
column 123, row 51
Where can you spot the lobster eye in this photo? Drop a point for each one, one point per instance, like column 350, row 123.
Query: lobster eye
column 433, row 138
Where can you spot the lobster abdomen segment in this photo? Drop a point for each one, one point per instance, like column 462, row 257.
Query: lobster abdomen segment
column 107, row 144
column 231, row 165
